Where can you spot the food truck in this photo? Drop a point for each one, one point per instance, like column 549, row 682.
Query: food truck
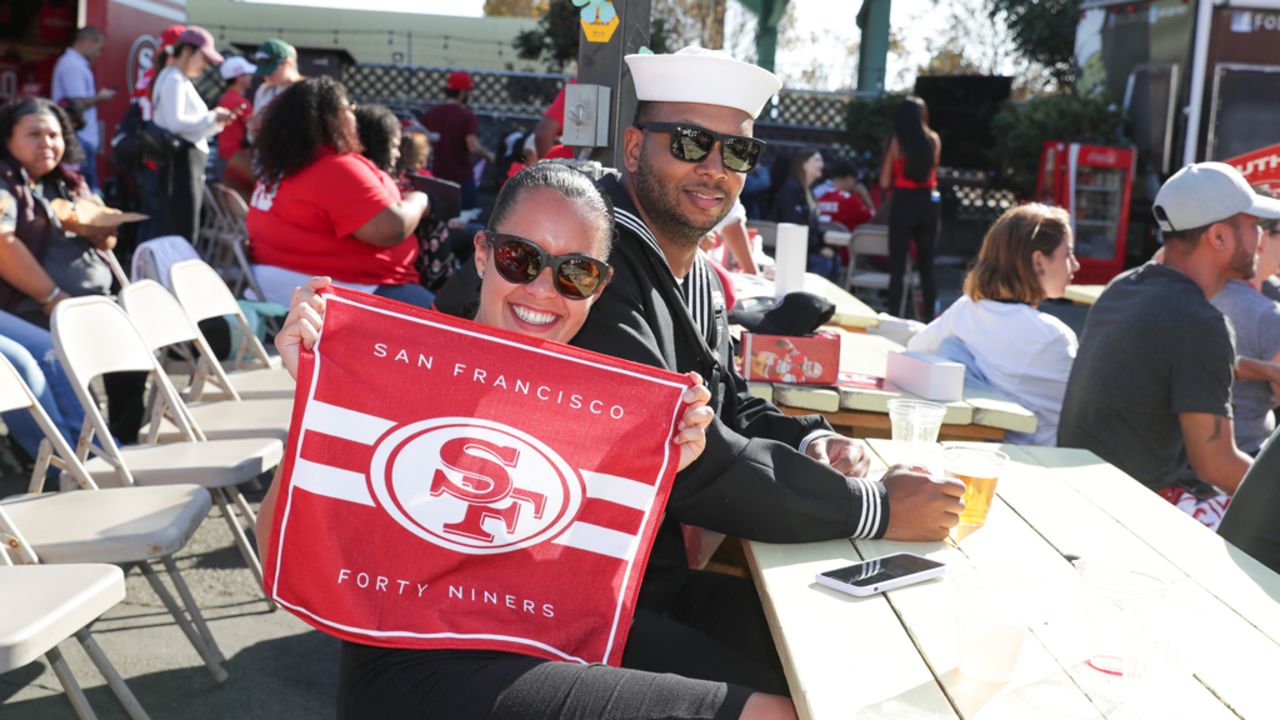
column 34, row 34
column 1196, row 80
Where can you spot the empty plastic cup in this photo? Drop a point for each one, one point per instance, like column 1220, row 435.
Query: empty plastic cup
column 915, row 420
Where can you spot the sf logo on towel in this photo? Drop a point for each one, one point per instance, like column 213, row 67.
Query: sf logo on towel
column 474, row 486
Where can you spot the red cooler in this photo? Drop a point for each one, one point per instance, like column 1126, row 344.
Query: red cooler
column 1093, row 183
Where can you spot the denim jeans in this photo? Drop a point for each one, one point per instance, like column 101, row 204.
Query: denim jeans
column 411, row 294
column 30, row 349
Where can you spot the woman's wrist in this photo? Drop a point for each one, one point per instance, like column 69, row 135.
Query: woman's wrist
column 51, row 297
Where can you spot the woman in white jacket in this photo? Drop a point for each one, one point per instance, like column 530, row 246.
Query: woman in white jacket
column 178, row 108
column 1027, row 255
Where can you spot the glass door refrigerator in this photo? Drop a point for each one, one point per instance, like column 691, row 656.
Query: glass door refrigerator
column 1093, row 183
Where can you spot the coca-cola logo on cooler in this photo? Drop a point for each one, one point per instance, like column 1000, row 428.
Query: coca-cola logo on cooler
column 475, row 486
column 1101, row 157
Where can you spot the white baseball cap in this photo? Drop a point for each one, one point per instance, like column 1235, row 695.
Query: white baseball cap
column 1205, row 193
column 235, row 66
column 698, row 75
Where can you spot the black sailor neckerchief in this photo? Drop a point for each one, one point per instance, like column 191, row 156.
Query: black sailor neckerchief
column 699, row 293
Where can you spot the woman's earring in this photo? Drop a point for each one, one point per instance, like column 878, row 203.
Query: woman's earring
column 482, row 274
column 1040, row 271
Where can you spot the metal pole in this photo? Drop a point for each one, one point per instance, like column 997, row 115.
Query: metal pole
column 600, row 62
column 873, row 50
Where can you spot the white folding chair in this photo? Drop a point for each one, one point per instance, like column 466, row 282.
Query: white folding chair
column 164, row 324
column 127, row 526
column 93, row 336
column 236, row 212
column 46, row 604
column 870, row 240
column 204, row 295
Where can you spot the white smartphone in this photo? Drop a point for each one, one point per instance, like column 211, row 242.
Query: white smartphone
column 883, row 573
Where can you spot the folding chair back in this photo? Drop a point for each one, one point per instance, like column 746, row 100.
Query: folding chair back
column 14, row 393
column 873, row 240
column 92, row 336
column 157, row 315
column 54, row 450
column 163, row 322
column 203, row 295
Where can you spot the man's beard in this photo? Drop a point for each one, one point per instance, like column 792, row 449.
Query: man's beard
column 1243, row 264
column 662, row 206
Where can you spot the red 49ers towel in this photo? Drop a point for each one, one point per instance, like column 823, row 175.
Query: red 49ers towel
column 450, row 485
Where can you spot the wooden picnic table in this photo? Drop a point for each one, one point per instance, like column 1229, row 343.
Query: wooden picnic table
column 983, row 414
column 895, row 654
column 1084, row 294
column 851, row 313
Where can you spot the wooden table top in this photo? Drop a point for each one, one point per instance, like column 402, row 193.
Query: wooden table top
column 1084, row 294
column 851, row 312
column 867, row 354
column 895, row 655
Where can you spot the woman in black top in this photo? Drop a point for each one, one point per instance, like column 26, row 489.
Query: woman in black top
column 795, row 204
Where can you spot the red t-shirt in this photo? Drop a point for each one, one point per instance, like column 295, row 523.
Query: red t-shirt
column 231, row 139
column 450, row 158
column 306, row 224
column 848, row 209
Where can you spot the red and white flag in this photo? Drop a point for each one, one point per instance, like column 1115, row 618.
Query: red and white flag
column 451, row 485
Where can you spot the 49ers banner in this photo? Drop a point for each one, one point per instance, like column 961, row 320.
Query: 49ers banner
column 449, row 485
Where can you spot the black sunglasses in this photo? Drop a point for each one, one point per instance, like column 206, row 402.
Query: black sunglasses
column 520, row 261
column 692, row 144
column 1269, row 226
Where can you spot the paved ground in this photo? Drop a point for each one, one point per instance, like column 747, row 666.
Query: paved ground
column 279, row 668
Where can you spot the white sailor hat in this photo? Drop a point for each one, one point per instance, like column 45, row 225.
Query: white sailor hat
column 698, row 75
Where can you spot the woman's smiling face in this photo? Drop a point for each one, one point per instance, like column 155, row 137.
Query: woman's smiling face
column 560, row 227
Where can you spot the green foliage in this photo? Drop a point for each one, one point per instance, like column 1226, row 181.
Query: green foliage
column 870, row 120
column 555, row 39
column 1044, row 31
column 1022, row 129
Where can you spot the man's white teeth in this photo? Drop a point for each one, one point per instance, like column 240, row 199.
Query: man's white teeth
column 533, row 317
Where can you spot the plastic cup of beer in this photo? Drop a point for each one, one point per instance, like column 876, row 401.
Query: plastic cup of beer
column 915, row 421
column 979, row 469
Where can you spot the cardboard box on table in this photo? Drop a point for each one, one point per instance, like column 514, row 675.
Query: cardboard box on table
column 803, row 360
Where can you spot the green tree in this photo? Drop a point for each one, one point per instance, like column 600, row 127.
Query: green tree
column 1021, row 129
column 1044, row 32
column 870, row 120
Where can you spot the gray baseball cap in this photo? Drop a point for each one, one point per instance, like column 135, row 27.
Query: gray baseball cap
column 1205, row 193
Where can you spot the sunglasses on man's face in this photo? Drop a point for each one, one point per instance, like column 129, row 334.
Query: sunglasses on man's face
column 1269, row 226
column 520, row 261
column 693, row 144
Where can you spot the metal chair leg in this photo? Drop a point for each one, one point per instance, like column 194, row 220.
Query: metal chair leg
column 210, row 657
column 193, row 610
column 114, row 681
column 242, row 542
column 75, row 695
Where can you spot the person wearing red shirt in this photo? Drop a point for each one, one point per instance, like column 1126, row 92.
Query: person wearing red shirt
column 233, row 165
column 847, row 202
column 159, row 61
column 459, row 130
column 321, row 208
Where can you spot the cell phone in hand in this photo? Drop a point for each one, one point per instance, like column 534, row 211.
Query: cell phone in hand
column 880, row 574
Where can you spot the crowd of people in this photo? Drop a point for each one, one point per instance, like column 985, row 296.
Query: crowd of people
column 335, row 197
